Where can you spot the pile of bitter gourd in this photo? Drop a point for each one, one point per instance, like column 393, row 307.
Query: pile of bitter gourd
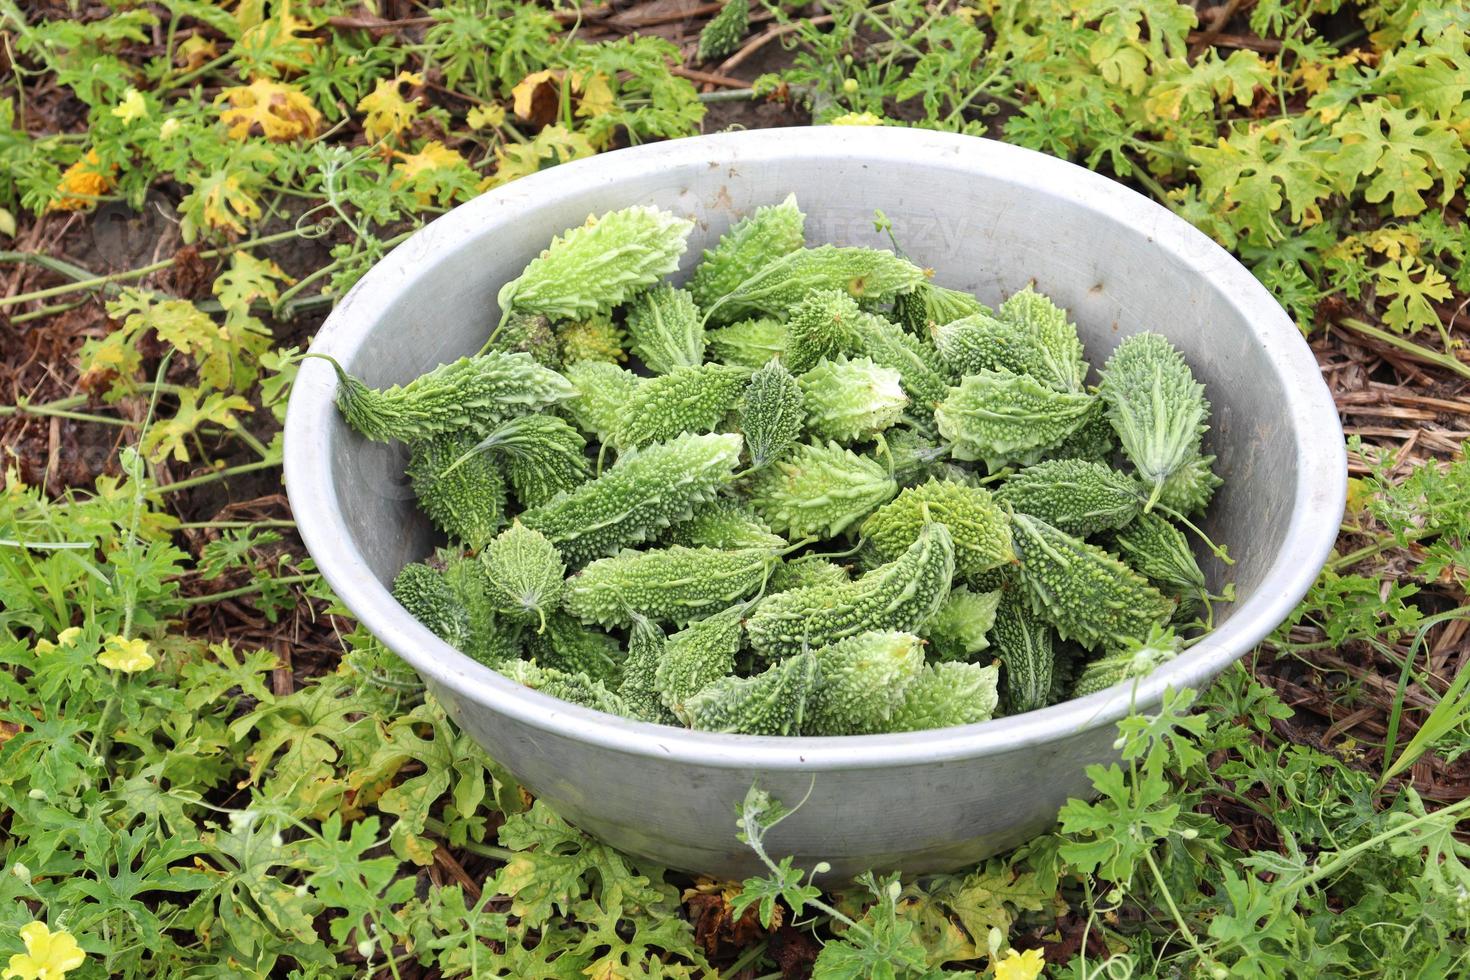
column 833, row 499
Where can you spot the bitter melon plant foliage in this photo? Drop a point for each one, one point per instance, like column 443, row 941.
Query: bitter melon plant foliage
column 672, row 561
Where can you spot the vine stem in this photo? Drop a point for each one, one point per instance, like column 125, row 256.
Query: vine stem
column 250, row 589
column 1417, row 351
column 199, row 481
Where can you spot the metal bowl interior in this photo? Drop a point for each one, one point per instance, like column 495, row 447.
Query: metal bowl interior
column 987, row 218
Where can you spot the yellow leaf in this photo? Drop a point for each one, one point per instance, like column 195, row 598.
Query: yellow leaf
column 597, row 95
column 195, row 52
column 486, row 116
column 388, row 112
column 82, row 181
column 132, row 107
column 425, row 170
column 280, row 112
column 526, row 88
column 247, row 280
column 553, row 145
column 170, row 436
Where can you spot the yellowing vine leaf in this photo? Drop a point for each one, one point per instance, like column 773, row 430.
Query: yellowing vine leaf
column 222, row 201
column 169, row 437
column 388, row 112
column 1405, row 151
column 553, row 145
column 596, row 95
column 274, row 110
column 247, row 280
column 1414, row 286
column 81, row 183
column 433, row 171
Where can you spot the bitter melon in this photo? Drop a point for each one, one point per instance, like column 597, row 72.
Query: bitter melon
column 851, row 400
column 961, row 627
column 529, row 333
column 981, row 532
column 687, row 399
column 667, row 585
column 573, row 648
column 772, row 412
column 1156, row 406
column 723, row 33
column 918, row 365
column 1093, row 440
column 639, row 496
column 1086, row 593
column 1189, row 489
column 601, row 391
column 1074, row 495
column 697, row 656
column 638, row 689
column 822, row 325
column 863, row 681
column 1159, row 552
column 596, row 338
column 1136, row 660
column 599, row 265
column 748, row 343
column 472, row 392
column 948, row 694
column 542, row 454
column 776, row 287
column 465, row 501
column 1003, row 418
column 900, row 595
column 493, row 638
column 773, row 702
column 572, row 686
column 428, row 598
column 524, row 574
column 1026, row 650
column 724, row 524
column 771, row 232
column 803, row 572
column 666, row 329
column 819, row 490
column 929, row 306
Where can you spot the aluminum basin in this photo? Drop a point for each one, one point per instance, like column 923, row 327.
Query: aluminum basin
column 988, row 218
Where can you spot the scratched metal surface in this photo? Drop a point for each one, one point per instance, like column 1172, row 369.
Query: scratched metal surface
column 987, row 218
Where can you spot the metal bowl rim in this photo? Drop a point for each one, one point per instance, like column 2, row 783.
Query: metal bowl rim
column 1308, row 410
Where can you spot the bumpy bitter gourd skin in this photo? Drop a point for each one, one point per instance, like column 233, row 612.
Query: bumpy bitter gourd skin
column 530, row 333
column 575, row 648
column 573, row 686
column 638, row 688
column 727, row 525
column 597, row 338
column 1136, row 660
column 819, row 490
column 1086, row 593
column 722, row 34
column 601, row 390
column 823, row 325
column 981, row 531
column 929, row 306
column 772, row 413
column 687, row 399
column 777, row 286
column 1156, row 406
column 599, row 265
column 697, row 656
column 468, row 393
column 467, row 501
column 748, row 343
column 961, row 627
column 773, row 702
column 493, row 638
column 1002, row 418
column 1093, row 440
column 917, row 364
column 863, row 680
column 851, row 400
column 900, row 595
column 524, row 574
column 1057, row 357
column 428, row 598
column 639, row 496
column 1026, row 650
column 804, row 572
column 946, row 695
column 666, row 329
column 1074, row 495
column 542, row 455
column 768, row 234
column 667, row 585
column 1159, row 552
column 1189, row 489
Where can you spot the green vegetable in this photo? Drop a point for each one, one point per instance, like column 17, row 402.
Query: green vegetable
column 573, row 648
column 822, row 325
column 819, row 490
column 929, row 306
column 981, row 533
column 524, row 573
column 428, row 598
column 639, row 689
column 599, row 265
column 722, row 34
column 1086, row 593
column 596, row 338
column 771, row 413
column 947, row 694
column 529, row 333
column 470, row 393
column 640, row 495
column 773, row 702
column 1136, row 660
column 900, row 595
column 960, row 629
column 1028, row 335
column 1157, row 408
column 751, row 243
column 724, row 524
column 666, row 330
column 687, row 399
column 804, row 572
column 1189, row 489
column 1159, row 552
column 1003, row 418
column 573, row 686
column 1093, row 440
column 863, row 681
column 493, row 637
column 667, row 585
column 465, row 501
column 748, row 343
column 918, row 365
column 602, row 391
column 542, row 454
column 1025, row 648
column 697, row 656
column 1074, row 495
column 851, row 400
column 778, row 285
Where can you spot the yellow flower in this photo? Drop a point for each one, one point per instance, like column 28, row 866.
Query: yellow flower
column 82, row 180
column 1020, row 966
column 66, row 638
column 132, row 107
column 48, row 956
column 858, row 119
column 168, row 129
column 128, row 656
